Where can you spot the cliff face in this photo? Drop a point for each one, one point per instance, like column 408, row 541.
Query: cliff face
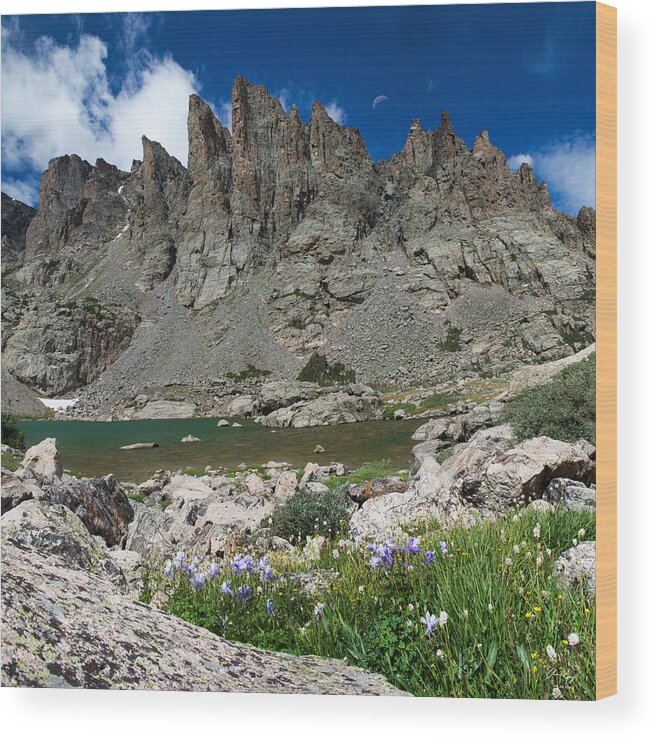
column 284, row 237
column 16, row 218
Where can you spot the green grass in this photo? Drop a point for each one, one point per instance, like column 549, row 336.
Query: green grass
column 137, row 496
column 391, row 408
column 451, row 341
column 367, row 471
column 9, row 462
column 563, row 408
column 431, row 402
column 503, row 609
column 196, row 472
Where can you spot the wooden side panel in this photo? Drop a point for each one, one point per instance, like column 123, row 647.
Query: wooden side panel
column 606, row 176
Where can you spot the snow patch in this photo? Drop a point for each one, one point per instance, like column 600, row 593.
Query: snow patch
column 60, row 405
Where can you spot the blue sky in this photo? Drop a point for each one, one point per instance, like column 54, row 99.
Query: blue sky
column 93, row 83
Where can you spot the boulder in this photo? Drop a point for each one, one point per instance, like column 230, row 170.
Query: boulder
column 286, row 485
column 429, row 448
column 483, row 478
column 43, row 459
column 361, row 492
column 433, row 429
column 318, row 449
column 190, row 438
column 579, row 565
column 354, row 403
column 15, row 491
column 244, row 406
column 400, row 414
column 140, row 446
column 56, row 533
column 254, row 485
column 65, row 624
column 281, row 393
column 99, row 502
column 571, row 495
column 223, row 423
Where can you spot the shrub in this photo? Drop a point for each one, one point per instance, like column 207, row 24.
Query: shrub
column 437, row 401
column 250, row 372
column 319, row 370
column 306, row 514
column 451, row 342
column 391, row 408
column 563, row 408
column 12, row 435
column 9, row 462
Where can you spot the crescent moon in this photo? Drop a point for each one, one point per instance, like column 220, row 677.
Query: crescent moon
column 380, row 99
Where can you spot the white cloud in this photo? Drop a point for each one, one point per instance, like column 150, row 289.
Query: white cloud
column 25, row 191
column 224, row 114
column 57, row 100
column 517, row 160
column 336, row 112
column 568, row 167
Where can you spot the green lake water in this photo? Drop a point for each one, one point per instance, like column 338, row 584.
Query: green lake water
column 93, row 448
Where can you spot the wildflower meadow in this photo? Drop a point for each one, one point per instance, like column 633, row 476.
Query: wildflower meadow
column 472, row 612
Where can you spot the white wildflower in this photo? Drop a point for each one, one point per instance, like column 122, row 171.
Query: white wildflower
column 516, row 549
column 443, row 619
column 556, row 693
column 536, row 532
column 551, row 653
column 581, row 533
column 573, row 639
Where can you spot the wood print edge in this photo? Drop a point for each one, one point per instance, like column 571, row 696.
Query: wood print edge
column 606, row 206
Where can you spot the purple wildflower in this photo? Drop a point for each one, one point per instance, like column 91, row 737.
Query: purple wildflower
column 430, row 622
column 214, row 570
column 318, row 610
column 179, row 559
column 225, row 588
column 198, row 581
column 268, row 574
column 443, row 547
column 242, row 563
column 168, row 569
column 429, row 557
column 412, row 546
column 269, row 606
column 244, row 593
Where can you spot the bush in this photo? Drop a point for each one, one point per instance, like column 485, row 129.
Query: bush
column 306, row 514
column 319, row 370
column 11, row 433
column 249, row 373
column 451, row 342
column 563, row 408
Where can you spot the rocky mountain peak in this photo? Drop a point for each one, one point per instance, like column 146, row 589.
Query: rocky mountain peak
column 16, row 218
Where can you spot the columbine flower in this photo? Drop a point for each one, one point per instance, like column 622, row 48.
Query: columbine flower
column 268, row 574
column 412, row 546
column 244, row 592
column 179, row 559
column 242, row 563
column 318, row 610
column 444, row 618
column 225, row 588
column 551, row 653
column 214, row 570
column 443, row 547
column 263, row 563
column 198, row 581
column 269, row 606
column 556, row 693
column 573, row 639
column 429, row 621
column 429, row 557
